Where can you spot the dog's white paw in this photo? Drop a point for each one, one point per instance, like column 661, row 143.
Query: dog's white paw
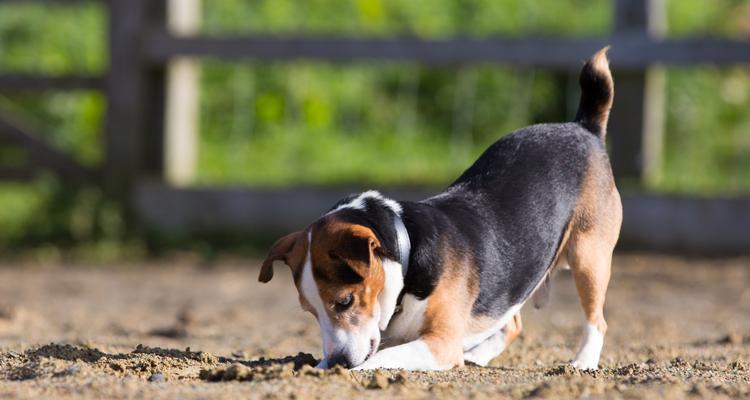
column 586, row 365
column 370, row 364
column 590, row 350
column 476, row 359
column 323, row 364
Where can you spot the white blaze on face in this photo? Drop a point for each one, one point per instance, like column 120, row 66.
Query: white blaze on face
column 355, row 345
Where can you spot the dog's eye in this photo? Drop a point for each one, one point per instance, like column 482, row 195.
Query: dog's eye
column 344, row 302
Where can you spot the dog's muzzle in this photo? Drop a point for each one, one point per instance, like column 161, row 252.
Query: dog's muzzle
column 345, row 360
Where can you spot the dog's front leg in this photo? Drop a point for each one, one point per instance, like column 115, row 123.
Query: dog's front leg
column 440, row 345
column 424, row 354
column 414, row 355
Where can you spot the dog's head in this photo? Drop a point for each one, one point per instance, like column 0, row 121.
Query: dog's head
column 338, row 272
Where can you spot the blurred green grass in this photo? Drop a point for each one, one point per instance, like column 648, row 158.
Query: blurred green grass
column 361, row 123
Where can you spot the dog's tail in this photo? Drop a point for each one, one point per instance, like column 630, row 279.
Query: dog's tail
column 597, row 92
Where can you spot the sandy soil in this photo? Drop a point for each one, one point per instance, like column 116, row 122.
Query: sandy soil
column 677, row 328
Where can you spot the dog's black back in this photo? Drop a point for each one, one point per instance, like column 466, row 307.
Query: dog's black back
column 508, row 211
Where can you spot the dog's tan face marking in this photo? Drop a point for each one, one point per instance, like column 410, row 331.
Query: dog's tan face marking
column 338, row 274
column 347, row 271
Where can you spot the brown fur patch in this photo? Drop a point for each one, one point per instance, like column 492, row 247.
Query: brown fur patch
column 513, row 329
column 291, row 249
column 596, row 205
column 448, row 312
column 595, row 230
column 599, row 208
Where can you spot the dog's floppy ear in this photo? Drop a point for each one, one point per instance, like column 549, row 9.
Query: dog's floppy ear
column 357, row 247
column 290, row 249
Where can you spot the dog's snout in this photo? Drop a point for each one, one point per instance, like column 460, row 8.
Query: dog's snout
column 340, row 359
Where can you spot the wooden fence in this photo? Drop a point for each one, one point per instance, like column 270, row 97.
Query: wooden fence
column 140, row 47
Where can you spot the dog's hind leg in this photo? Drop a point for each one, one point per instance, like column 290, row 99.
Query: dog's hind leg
column 589, row 251
column 494, row 345
column 591, row 277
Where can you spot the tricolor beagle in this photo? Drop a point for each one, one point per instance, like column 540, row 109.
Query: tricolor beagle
column 431, row 284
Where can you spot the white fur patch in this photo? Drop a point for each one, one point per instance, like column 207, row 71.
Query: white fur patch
column 359, row 202
column 388, row 297
column 590, row 350
column 412, row 356
column 406, row 326
column 484, row 352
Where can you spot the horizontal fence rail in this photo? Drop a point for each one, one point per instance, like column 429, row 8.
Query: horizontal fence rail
column 680, row 224
column 11, row 81
column 632, row 51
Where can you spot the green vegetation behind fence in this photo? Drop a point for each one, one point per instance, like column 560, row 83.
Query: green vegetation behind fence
column 372, row 123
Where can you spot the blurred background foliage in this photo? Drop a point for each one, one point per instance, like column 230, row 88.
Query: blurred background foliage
column 362, row 123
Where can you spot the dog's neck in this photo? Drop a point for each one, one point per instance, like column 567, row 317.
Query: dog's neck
column 404, row 243
column 395, row 273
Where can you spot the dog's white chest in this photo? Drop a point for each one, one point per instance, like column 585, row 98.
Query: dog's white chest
column 407, row 324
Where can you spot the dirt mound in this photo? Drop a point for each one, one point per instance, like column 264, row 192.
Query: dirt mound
column 262, row 369
column 57, row 360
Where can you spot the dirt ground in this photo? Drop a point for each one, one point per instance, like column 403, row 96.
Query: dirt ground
column 677, row 328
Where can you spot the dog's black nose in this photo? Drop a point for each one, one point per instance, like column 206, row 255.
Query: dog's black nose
column 339, row 359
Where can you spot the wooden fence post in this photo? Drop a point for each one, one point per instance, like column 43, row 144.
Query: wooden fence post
column 637, row 119
column 183, row 91
column 135, row 98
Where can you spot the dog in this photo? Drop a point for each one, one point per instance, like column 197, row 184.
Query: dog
column 442, row 281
